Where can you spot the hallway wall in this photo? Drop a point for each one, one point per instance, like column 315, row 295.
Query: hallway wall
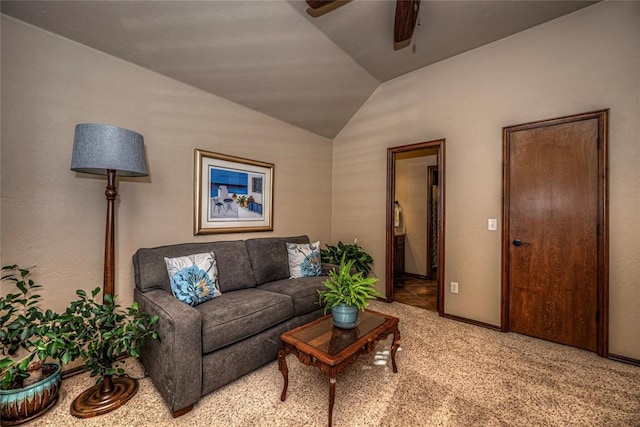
column 412, row 192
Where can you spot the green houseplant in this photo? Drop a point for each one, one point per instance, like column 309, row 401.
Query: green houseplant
column 98, row 333
column 345, row 293
column 361, row 260
column 29, row 336
column 105, row 332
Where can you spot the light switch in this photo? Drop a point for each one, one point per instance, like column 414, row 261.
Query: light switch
column 493, row 224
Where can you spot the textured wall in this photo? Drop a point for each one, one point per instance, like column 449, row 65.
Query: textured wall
column 55, row 218
column 412, row 192
column 581, row 62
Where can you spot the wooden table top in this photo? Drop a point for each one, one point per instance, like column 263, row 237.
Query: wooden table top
column 332, row 345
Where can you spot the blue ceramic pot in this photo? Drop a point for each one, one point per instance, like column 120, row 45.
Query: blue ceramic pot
column 18, row 406
column 345, row 316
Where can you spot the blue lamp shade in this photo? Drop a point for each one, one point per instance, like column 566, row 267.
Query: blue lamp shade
column 98, row 148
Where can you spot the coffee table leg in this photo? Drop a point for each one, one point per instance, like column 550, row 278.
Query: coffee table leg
column 394, row 348
column 282, row 363
column 332, row 397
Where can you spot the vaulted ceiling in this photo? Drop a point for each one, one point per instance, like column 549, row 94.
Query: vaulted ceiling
column 271, row 56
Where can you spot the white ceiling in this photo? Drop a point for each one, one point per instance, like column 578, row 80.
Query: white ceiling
column 269, row 55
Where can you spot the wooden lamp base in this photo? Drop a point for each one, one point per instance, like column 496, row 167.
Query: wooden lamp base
column 103, row 398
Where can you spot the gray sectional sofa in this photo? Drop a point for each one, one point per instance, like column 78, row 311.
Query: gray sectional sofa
column 204, row 347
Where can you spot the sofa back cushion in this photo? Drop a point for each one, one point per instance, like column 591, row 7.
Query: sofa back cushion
column 234, row 266
column 232, row 259
column 269, row 257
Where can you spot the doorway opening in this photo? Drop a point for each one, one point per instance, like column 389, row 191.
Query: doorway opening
column 414, row 272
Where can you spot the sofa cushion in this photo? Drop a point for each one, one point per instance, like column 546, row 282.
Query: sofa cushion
column 240, row 314
column 150, row 270
column 304, row 259
column 194, row 278
column 234, row 266
column 303, row 290
column 269, row 258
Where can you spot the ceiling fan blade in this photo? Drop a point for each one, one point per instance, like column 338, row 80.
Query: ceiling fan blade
column 405, row 22
column 320, row 7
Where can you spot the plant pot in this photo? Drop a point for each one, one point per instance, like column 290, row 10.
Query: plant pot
column 20, row 405
column 345, row 316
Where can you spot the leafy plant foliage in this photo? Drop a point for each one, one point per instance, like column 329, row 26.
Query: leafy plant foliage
column 335, row 254
column 345, row 288
column 105, row 332
column 97, row 333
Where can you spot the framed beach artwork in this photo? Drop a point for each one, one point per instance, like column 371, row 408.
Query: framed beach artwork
column 231, row 194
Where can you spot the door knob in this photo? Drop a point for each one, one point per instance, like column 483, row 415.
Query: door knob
column 517, row 242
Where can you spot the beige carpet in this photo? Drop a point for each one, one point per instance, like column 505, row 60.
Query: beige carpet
column 449, row 374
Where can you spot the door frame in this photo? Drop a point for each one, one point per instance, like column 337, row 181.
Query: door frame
column 391, row 189
column 602, row 231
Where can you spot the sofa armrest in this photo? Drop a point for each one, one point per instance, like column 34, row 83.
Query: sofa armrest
column 174, row 362
column 326, row 267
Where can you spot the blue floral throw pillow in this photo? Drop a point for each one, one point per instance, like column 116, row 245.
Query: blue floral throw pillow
column 304, row 260
column 194, row 278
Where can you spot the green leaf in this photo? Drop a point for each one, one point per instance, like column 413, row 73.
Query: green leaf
column 24, row 363
column 6, row 380
column 5, row 362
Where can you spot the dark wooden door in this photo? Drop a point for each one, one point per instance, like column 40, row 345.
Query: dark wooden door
column 553, row 206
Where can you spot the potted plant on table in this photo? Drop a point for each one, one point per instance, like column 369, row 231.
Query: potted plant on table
column 361, row 260
column 28, row 335
column 346, row 293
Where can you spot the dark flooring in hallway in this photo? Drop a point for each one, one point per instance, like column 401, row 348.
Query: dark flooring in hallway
column 415, row 291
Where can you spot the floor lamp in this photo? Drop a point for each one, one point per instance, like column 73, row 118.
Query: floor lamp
column 112, row 151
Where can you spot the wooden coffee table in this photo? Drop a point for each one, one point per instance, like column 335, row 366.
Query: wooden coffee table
column 332, row 349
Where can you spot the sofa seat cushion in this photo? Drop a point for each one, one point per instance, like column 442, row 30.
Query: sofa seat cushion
column 239, row 314
column 303, row 290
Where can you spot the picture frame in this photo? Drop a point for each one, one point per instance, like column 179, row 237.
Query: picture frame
column 231, row 194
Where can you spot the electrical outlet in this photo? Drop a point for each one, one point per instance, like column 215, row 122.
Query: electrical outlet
column 492, row 224
column 454, row 287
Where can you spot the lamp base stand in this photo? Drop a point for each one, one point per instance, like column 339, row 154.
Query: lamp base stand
column 105, row 397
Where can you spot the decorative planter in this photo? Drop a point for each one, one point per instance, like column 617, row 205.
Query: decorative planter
column 345, row 316
column 18, row 406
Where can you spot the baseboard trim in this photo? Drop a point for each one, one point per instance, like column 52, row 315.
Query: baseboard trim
column 71, row 372
column 624, row 359
column 471, row 321
column 616, row 357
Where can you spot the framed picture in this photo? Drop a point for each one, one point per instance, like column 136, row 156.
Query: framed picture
column 231, row 194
